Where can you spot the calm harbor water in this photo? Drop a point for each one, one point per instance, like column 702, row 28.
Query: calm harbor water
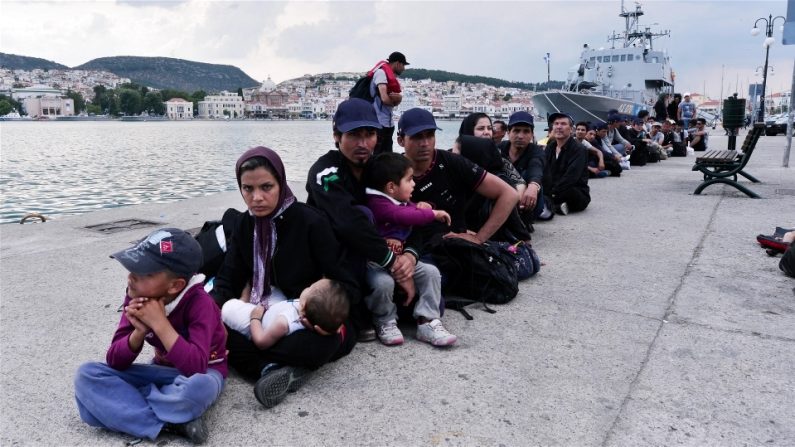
column 68, row 168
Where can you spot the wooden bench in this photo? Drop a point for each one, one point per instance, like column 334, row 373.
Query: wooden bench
column 720, row 166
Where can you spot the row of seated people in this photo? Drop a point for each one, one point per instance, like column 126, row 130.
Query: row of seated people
column 300, row 283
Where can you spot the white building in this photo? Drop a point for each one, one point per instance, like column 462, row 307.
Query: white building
column 179, row 109
column 35, row 91
column 221, row 105
column 452, row 105
column 48, row 107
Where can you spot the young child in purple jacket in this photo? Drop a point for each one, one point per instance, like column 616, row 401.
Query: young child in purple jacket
column 167, row 307
column 389, row 180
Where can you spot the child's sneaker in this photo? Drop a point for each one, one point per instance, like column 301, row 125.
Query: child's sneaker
column 389, row 334
column 195, row 430
column 274, row 384
column 433, row 332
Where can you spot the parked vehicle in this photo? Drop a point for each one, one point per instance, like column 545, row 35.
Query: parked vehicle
column 776, row 124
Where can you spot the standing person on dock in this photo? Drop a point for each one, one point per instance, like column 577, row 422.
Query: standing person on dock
column 673, row 107
column 661, row 107
column 335, row 186
column 566, row 168
column 687, row 111
column 386, row 93
column 167, row 307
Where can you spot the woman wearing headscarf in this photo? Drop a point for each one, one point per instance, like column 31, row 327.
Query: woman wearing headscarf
column 277, row 249
column 475, row 144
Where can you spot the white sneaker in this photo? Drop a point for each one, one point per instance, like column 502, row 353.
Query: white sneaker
column 389, row 334
column 433, row 332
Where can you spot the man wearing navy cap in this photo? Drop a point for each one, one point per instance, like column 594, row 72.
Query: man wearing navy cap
column 566, row 168
column 386, row 92
column 334, row 185
column 447, row 181
column 528, row 158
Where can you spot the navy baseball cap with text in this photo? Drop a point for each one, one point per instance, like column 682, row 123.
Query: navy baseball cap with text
column 169, row 249
column 414, row 121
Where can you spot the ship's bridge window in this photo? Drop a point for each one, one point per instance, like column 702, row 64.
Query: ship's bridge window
column 623, row 58
column 592, row 59
column 655, row 59
column 615, row 58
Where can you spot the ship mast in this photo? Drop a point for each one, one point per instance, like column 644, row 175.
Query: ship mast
column 633, row 36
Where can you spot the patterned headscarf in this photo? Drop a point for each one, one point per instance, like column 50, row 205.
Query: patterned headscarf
column 264, row 230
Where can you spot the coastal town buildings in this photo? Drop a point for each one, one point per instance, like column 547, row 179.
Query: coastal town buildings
column 81, row 81
column 179, row 109
column 309, row 96
column 224, row 104
column 266, row 101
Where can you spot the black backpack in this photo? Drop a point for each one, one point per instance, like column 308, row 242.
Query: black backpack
column 209, row 237
column 475, row 274
column 362, row 89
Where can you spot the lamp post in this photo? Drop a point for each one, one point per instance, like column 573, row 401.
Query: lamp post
column 767, row 44
column 771, row 71
column 546, row 59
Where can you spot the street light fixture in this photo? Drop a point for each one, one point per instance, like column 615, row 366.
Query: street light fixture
column 768, row 42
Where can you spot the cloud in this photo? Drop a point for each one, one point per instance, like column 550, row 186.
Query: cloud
column 499, row 39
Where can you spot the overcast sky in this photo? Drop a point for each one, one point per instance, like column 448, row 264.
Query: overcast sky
column 506, row 40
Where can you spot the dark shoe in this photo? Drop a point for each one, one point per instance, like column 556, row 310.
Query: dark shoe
column 274, row 385
column 365, row 335
column 562, row 209
column 195, row 430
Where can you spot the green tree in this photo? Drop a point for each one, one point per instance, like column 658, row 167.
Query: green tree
column 168, row 93
column 99, row 92
column 80, row 103
column 15, row 105
column 153, row 103
column 240, row 91
column 5, row 107
column 197, row 96
column 130, row 101
column 507, row 97
column 92, row 109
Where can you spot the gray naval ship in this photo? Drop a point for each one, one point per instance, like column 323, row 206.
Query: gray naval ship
column 628, row 77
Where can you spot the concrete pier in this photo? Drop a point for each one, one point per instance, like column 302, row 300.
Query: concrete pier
column 656, row 320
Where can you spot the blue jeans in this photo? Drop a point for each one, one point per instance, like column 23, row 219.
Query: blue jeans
column 141, row 399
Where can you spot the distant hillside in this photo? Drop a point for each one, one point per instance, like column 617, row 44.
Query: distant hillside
column 177, row 74
column 17, row 62
column 444, row 76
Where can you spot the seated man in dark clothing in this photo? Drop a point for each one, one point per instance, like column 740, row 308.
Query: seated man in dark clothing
column 699, row 136
column 528, row 158
column 638, row 137
column 566, row 168
column 596, row 137
column 447, row 181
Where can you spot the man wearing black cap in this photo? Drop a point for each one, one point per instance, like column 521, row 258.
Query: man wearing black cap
column 386, row 92
column 566, row 168
column 447, row 181
column 335, row 187
column 528, row 159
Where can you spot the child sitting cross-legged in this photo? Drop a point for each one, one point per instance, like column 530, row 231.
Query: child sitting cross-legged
column 167, row 307
column 389, row 181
